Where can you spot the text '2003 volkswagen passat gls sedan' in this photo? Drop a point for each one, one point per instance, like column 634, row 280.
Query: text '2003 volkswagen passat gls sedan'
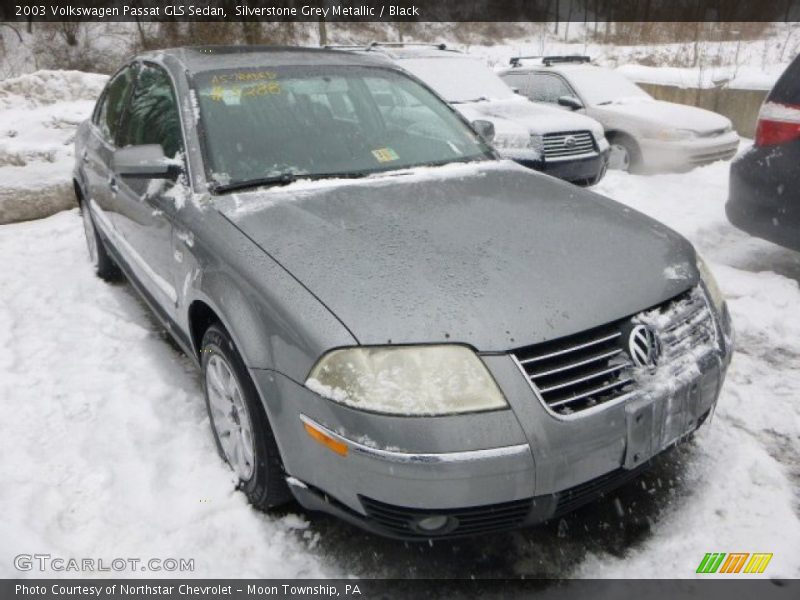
column 393, row 325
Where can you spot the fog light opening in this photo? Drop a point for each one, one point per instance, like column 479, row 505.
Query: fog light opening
column 434, row 523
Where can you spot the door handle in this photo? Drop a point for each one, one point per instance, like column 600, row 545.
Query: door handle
column 85, row 156
column 112, row 185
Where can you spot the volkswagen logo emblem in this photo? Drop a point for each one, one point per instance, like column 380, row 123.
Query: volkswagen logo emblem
column 569, row 141
column 643, row 346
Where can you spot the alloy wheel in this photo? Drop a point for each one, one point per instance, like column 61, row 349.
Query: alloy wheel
column 229, row 417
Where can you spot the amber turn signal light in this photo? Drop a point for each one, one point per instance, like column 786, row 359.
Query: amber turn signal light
column 331, row 444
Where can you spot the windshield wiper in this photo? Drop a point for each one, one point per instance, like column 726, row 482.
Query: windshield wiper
column 282, row 179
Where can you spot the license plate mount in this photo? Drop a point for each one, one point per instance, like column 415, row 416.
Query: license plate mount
column 655, row 422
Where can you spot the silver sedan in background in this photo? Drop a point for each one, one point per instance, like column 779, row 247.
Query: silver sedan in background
column 645, row 134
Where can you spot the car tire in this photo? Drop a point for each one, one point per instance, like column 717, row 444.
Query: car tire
column 625, row 154
column 239, row 424
column 104, row 266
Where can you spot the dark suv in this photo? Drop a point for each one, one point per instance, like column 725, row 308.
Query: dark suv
column 764, row 199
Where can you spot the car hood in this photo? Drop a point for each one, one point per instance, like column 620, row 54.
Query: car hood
column 534, row 118
column 669, row 114
column 489, row 254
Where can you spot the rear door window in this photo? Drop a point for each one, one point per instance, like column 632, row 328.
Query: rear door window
column 517, row 81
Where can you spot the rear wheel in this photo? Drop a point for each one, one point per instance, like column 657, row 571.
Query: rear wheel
column 104, row 266
column 241, row 430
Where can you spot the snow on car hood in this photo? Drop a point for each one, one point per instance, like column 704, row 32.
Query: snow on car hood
column 678, row 116
column 492, row 254
column 530, row 117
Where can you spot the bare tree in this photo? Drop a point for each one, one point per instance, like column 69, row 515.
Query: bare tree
column 252, row 32
column 12, row 28
column 557, row 14
column 69, row 31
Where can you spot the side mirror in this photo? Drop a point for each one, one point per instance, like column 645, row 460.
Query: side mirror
column 485, row 129
column 570, row 102
column 144, row 162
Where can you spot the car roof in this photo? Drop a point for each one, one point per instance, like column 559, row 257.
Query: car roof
column 400, row 51
column 206, row 58
column 527, row 68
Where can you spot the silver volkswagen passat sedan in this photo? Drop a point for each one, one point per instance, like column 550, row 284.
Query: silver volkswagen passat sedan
column 393, row 325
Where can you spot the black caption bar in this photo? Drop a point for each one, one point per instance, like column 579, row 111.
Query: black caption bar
column 400, row 10
column 261, row 589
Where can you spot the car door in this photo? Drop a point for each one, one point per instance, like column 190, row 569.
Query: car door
column 99, row 149
column 147, row 207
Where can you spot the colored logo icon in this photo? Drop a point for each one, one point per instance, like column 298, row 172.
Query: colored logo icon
column 734, row 562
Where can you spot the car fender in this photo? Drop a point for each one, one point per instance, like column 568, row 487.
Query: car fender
column 275, row 323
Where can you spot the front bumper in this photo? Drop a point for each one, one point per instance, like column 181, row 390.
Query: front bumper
column 685, row 155
column 481, row 472
column 589, row 170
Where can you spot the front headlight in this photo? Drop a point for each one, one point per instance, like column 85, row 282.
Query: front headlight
column 407, row 380
column 711, row 284
column 510, row 141
column 675, row 135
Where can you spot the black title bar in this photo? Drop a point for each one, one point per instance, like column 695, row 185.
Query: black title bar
column 400, row 10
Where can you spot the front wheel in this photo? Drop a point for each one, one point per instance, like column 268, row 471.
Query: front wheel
column 624, row 154
column 241, row 430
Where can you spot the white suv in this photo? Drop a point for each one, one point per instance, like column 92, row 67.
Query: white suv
column 569, row 146
column 645, row 133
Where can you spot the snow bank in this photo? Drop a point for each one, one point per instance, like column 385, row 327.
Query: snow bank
column 39, row 114
column 48, row 87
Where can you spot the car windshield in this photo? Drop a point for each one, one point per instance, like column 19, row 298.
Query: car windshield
column 459, row 79
column 272, row 125
column 603, row 86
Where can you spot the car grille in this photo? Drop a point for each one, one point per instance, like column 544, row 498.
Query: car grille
column 467, row 521
column 686, row 325
column 567, row 144
column 580, row 371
